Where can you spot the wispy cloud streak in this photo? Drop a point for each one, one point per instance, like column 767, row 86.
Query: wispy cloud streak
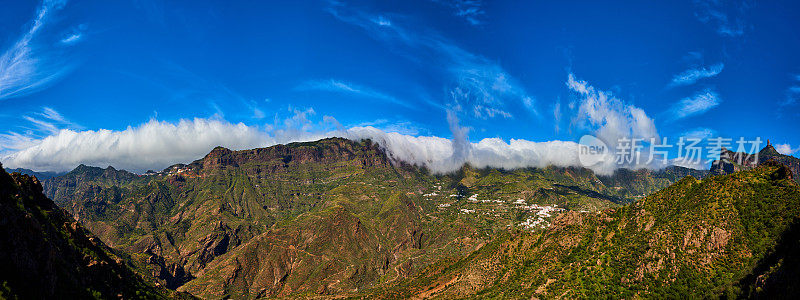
column 792, row 92
column 470, row 10
column 333, row 85
column 691, row 76
column 24, row 68
column 726, row 16
column 477, row 85
column 695, row 105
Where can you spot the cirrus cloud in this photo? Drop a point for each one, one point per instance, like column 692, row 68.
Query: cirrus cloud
column 691, row 76
column 27, row 66
column 695, row 105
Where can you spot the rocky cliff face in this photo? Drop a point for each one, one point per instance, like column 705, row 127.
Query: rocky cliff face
column 731, row 162
column 64, row 189
column 45, row 254
column 179, row 221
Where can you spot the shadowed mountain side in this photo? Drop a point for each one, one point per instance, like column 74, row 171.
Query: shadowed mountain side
column 44, row 253
column 39, row 175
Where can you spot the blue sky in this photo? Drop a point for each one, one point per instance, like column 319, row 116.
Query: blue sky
column 503, row 69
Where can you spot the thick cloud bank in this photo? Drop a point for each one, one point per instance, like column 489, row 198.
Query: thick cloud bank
column 156, row 145
column 152, row 145
column 443, row 155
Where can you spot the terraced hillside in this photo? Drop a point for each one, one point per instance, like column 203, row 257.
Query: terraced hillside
column 327, row 217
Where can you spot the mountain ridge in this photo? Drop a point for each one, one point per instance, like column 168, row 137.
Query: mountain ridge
column 234, row 202
column 44, row 253
column 336, row 217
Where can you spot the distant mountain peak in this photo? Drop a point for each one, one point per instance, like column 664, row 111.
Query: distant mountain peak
column 731, row 162
column 769, row 150
column 220, row 149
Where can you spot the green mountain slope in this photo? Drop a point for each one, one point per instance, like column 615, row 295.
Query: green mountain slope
column 726, row 235
column 326, row 217
column 636, row 184
column 731, row 162
column 39, row 175
column 45, row 254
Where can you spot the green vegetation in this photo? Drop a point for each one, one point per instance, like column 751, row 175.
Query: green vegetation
column 337, row 217
column 693, row 239
column 44, row 253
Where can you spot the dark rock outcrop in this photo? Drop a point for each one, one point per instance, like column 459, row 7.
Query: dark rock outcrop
column 731, row 162
column 45, row 254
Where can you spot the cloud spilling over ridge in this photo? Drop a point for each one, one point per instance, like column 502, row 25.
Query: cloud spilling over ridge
column 157, row 144
column 440, row 155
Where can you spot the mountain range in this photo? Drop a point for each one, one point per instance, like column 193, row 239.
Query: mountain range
column 338, row 217
column 45, row 253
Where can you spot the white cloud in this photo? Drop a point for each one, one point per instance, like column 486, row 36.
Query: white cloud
column 152, row 145
column 71, row 39
column 470, row 10
column 25, row 68
column 14, row 141
column 697, row 104
column 611, row 120
column 44, row 123
column 786, row 149
column 727, row 16
column 52, row 114
column 792, row 92
column 443, row 155
column 693, row 75
column 382, row 21
column 333, row 85
column 158, row 144
column 608, row 116
column 482, row 87
column 557, row 115
column 700, row 133
column 74, row 35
